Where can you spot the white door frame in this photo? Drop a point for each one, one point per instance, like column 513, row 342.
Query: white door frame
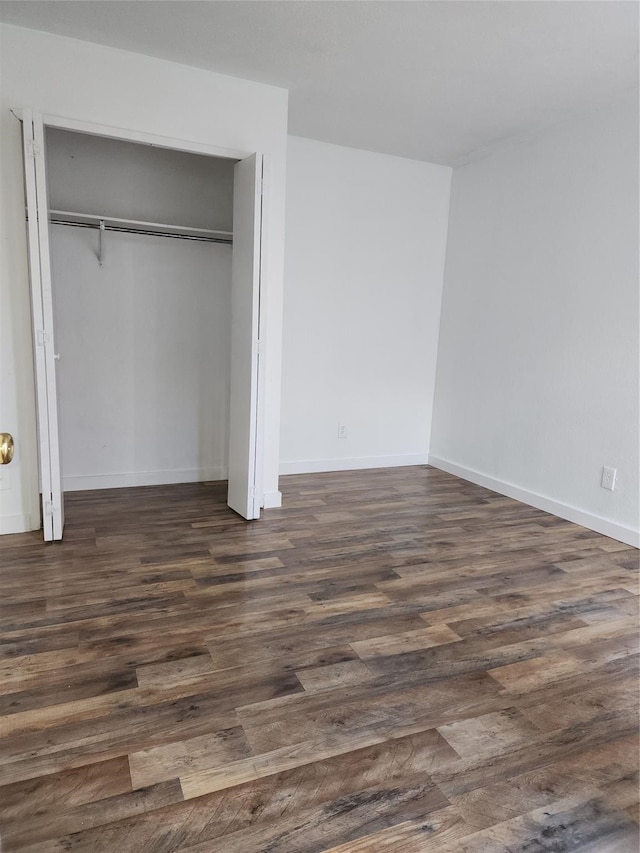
column 192, row 147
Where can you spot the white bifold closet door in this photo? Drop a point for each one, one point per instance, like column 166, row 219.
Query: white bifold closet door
column 244, row 489
column 244, row 492
column 35, row 177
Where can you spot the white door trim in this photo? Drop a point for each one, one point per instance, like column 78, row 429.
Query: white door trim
column 190, row 146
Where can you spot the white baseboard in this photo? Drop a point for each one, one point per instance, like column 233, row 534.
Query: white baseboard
column 272, row 500
column 17, row 524
column 570, row 513
column 142, row 478
column 314, row 466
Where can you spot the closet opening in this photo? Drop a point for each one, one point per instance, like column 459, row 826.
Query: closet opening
column 145, row 275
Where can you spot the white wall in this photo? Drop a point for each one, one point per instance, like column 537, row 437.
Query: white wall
column 92, row 83
column 537, row 384
column 143, row 376
column 94, row 174
column 363, row 277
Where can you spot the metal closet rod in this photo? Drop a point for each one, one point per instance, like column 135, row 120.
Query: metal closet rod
column 135, row 226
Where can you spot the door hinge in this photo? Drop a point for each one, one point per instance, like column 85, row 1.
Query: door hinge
column 259, row 347
column 44, row 338
column 34, row 149
column 48, row 507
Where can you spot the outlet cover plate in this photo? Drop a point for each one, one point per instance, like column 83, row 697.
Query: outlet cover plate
column 608, row 480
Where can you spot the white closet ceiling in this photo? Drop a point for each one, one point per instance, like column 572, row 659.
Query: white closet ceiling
column 436, row 81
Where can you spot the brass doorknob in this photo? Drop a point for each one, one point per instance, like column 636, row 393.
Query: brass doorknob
column 6, row 448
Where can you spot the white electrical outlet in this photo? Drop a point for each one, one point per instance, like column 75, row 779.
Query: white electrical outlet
column 342, row 431
column 5, row 480
column 608, row 480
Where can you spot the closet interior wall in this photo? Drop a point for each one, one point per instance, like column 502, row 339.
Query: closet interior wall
column 143, row 338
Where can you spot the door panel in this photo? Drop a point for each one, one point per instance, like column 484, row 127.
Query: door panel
column 43, row 325
column 57, row 496
column 243, row 494
column 33, row 247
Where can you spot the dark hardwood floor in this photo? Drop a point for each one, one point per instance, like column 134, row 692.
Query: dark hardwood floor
column 397, row 661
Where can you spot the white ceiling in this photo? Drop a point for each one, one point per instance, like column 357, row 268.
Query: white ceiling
column 436, row 80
